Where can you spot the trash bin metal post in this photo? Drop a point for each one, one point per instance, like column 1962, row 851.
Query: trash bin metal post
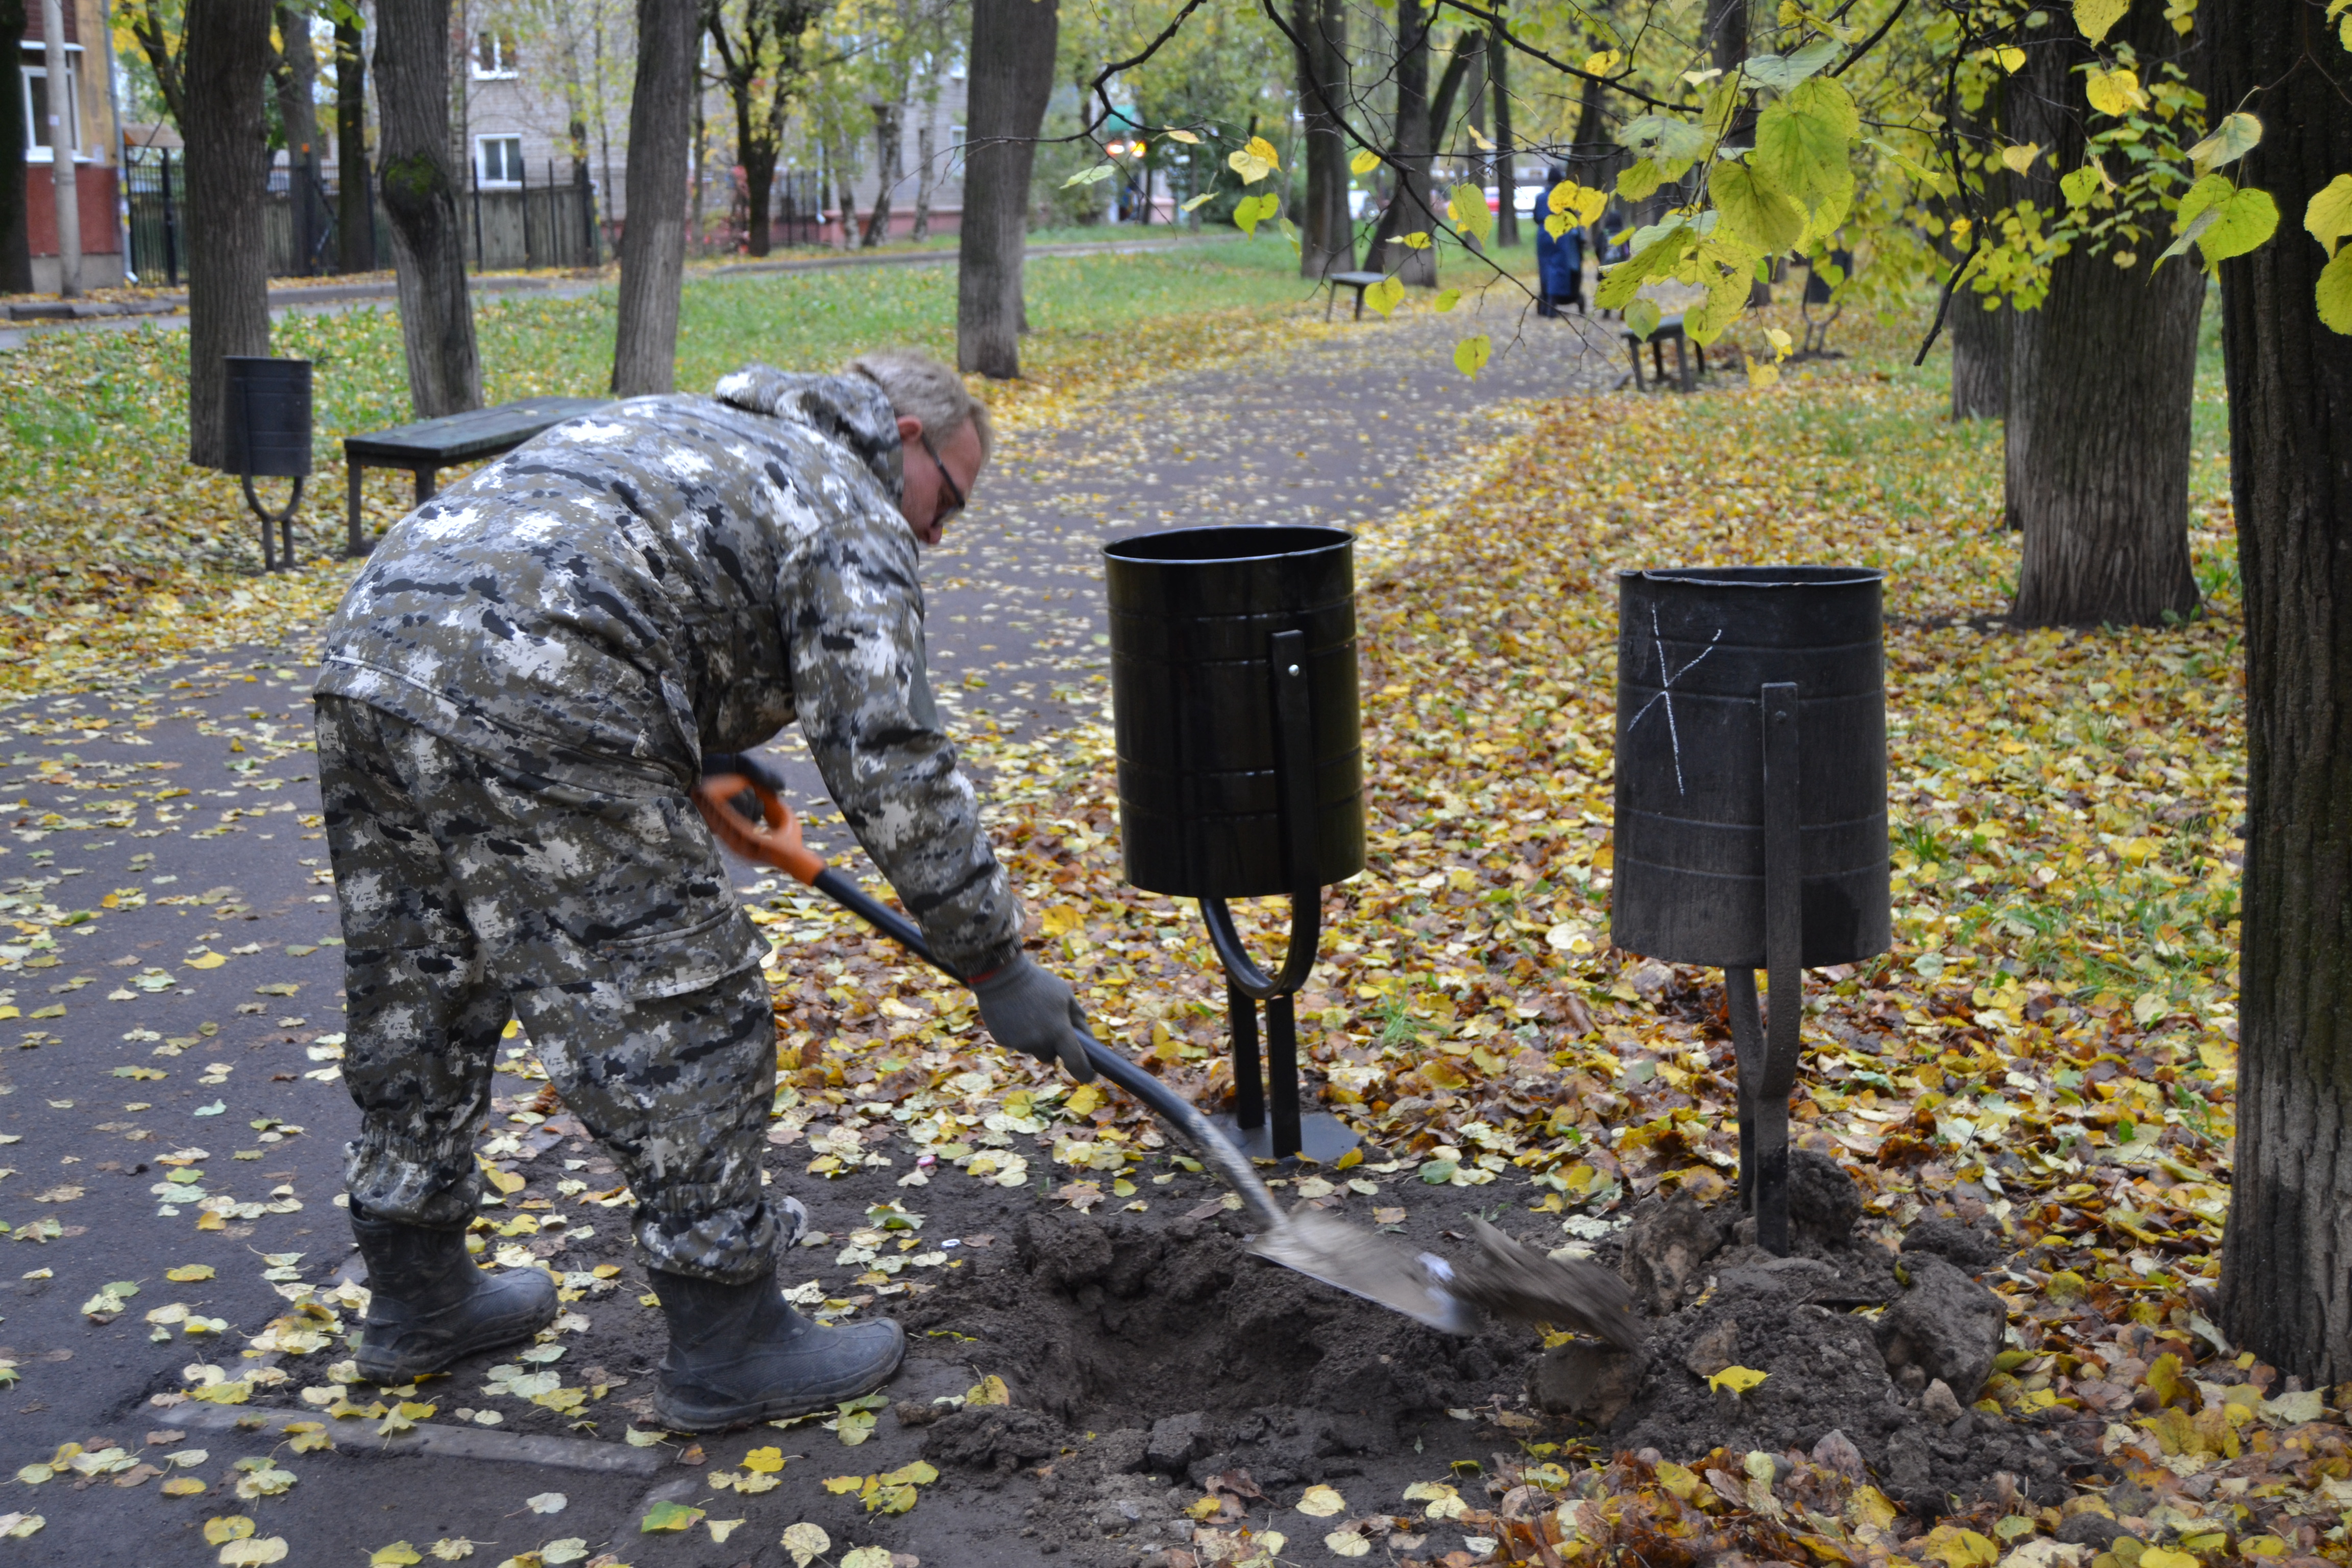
column 1784, row 931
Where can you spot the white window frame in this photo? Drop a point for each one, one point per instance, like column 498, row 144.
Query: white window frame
column 35, row 63
column 502, row 45
column 482, row 161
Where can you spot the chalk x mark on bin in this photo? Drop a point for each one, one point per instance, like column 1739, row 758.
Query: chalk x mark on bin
column 1666, row 693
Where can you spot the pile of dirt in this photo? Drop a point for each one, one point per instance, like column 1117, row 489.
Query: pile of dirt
column 1220, row 1360
column 1892, row 1394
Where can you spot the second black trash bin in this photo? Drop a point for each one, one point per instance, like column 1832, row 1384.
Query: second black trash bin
column 1240, row 761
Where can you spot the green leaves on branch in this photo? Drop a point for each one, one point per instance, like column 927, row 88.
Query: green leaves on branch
column 2096, row 18
column 1642, row 318
column 2221, row 220
column 2329, row 218
column 1251, row 211
column 2237, row 135
column 1752, row 207
column 1467, row 207
column 1095, row 175
column 1783, row 72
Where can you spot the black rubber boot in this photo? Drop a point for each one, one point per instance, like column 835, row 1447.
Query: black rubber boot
column 738, row 1353
column 429, row 1306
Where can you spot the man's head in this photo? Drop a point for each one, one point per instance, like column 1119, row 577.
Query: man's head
column 944, row 428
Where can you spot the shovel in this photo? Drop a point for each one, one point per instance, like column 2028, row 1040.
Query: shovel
column 1504, row 1277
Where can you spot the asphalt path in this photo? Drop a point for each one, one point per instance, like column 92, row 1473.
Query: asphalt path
column 170, row 997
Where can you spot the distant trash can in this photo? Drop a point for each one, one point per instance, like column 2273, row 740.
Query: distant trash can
column 1192, row 615
column 269, row 437
column 1696, row 647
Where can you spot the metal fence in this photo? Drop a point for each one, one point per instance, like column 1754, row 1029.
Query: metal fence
column 521, row 225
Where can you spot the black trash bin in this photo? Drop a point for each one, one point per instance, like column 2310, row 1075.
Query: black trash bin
column 1751, row 805
column 270, row 437
column 1241, row 762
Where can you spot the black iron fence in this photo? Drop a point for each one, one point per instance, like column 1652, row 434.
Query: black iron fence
column 509, row 225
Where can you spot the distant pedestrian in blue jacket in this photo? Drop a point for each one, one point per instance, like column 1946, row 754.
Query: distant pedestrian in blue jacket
column 1560, row 263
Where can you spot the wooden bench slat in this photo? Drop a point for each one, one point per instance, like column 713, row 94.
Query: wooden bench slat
column 457, row 438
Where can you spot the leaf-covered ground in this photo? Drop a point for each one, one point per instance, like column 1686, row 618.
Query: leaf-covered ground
column 2051, row 1044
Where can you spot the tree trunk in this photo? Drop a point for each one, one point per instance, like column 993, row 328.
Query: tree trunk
column 295, row 75
column 1980, row 357
column 652, row 240
column 228, row 171
column 1507, row 190
column 2098, row 483
column 1327, row 234
column 62, row 135
column 2285, row 1291
column 888, row 170
column 420, row 198
column 16, row 243
column 354, row 204
column 1409, row 211
column 1011, row 74
column 925, row 175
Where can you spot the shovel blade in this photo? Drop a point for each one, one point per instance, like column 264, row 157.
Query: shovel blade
column 1367, row 1264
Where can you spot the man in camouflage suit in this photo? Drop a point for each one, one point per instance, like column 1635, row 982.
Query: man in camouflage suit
column 517, row 696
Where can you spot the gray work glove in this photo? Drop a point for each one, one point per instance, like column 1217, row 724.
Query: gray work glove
column 1030, row 1009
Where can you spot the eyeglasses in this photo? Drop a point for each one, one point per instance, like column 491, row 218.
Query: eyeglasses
column 955, row 496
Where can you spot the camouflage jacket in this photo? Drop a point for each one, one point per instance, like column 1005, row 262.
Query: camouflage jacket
column 679, row 574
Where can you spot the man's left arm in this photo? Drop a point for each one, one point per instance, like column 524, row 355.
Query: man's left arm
column 857, row 647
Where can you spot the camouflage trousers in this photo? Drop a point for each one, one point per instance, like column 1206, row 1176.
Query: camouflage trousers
column 601, row 919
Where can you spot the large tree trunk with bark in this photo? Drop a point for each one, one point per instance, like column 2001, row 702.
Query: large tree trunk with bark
column 1409, row 212
column 926, row 176
column 16, row 242
column 420, row 198
column 1980, row 357
column 2286, row 1291
column 1327, row 234
column 355, row 202
column 652, row 240
column 1012, row 75
column 295, row 75
column 2101, row 378
column 229, row 258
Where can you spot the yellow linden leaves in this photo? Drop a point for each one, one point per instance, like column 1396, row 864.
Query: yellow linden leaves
column 1347, row 1544
column 399, row 1554
column 1958, row 1548
column 1467, row 207
column 2115, row 91
column 506, row 1182
column 2019, row 158
column 183, row 1486
column 231, row 1527
column 1603, row 62
column 1385, row 294
column 1251, row 211
column 1364, row 163
column 1417, row 240
column 1471, row 354
column 806, row 1542
column 2328, row 215
column 209, row 959
column 2333, row 293
column 1739, row 1379
column 1186, row 137
column 257, row 1553
column 1582, row 205
column 1443, row 1501
column 2165, row 1557
column 1446, row 300
column 764, row 1461
column 1763, row 373
column 189, row 1273
column 989, row 1389
column 2097, row 18
column 1255, row 162
column 1321, row 1503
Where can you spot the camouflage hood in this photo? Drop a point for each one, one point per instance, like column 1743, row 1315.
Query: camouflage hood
column 847, row 409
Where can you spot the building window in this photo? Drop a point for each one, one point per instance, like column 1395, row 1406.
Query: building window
column 499, row 160
column 35, row 96
column 495, row 56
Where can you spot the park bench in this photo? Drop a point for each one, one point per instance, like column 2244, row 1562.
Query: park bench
column 1359, row 281
column 429, row 446
column 1669, row 328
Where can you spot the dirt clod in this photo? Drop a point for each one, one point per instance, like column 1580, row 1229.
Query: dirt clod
column 1517, row 1282
column 1667, row 1242
column 1945, row 1323
column 1823, row 1202
column 1714, row 1350
column 1175, row 1440
column 1591, row 1382
column 1966, row 1245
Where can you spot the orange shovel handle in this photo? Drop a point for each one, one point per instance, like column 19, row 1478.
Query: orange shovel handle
column 774, row 841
